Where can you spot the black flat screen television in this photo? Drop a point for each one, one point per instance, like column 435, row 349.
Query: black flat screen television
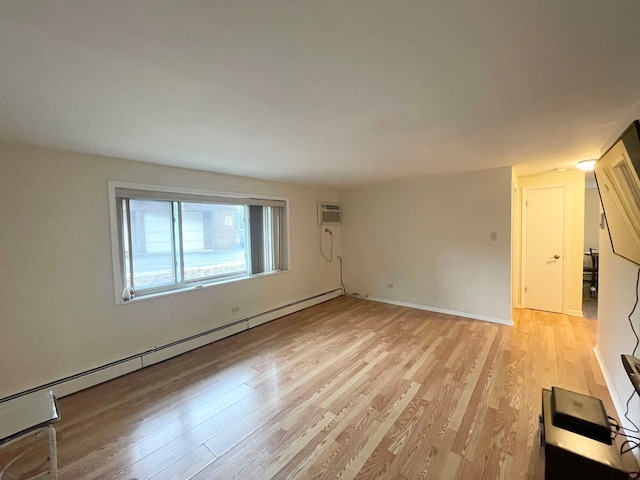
column 617, row 176
column 632, row 367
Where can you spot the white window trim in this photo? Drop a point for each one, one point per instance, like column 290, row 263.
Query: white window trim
column 118, row 285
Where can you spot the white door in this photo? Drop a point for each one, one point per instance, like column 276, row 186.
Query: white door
column 543, row 248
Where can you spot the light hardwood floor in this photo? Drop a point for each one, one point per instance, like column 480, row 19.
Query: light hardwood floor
column 346, row 389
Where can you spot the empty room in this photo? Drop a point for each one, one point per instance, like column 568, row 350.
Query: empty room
column 286, row 239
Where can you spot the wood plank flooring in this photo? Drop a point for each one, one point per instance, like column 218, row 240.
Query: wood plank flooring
column 348, row 389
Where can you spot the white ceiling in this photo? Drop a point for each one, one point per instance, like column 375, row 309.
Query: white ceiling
column 334, row 92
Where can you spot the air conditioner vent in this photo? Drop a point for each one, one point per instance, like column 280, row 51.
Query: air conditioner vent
column 328, row 213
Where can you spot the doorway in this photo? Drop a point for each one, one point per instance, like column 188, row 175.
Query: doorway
column 571, row 207
column 591, row 243
column 543, row 252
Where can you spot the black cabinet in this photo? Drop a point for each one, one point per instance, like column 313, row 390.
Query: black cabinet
column 569, row 455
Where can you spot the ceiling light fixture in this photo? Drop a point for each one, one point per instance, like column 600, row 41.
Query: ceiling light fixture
column 586, row 165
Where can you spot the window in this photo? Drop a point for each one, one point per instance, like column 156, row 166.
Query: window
column 171, row 240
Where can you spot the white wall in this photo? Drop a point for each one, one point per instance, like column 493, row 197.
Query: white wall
column 429, row 237
column 57, row 311
column 616, row 296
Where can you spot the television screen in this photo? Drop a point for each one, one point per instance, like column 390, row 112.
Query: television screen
column 619, row 187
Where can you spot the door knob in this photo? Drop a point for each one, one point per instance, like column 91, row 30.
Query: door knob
column 555, row 257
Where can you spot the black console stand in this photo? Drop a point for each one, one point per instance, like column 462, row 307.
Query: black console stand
column 569, row 455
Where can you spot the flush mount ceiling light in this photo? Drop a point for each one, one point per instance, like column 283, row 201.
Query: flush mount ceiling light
column 586, row 165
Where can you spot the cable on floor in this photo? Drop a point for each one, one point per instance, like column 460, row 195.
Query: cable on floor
column 628, row 445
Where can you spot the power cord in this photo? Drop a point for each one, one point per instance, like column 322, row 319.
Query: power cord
column 635, row 428
column 631, row 442
column 628, row 445
column 344, row 289
column 635, row 305
column 615, row 427
column 329, row 258
column 618, row 429
column 327, row 230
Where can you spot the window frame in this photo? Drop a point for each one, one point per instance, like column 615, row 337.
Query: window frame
column 184, row 195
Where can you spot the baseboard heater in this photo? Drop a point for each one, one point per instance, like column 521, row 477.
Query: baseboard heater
column 88, row 378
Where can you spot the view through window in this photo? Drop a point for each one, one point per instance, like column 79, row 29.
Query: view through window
column 170, row 241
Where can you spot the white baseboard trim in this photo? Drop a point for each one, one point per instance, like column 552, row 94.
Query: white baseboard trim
column 444, row 310
column 89, row 378
column 288, row 309
column 575, row 313
column 613, row 393
column 180, row 347
column 619, row 406
column 94, row 377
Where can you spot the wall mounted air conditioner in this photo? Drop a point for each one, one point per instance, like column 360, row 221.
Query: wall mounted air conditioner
column 328, row 213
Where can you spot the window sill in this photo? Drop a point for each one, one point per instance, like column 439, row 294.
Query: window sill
column 199, row 286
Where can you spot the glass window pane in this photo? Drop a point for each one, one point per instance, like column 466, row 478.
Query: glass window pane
column 274, row 239
column 151, row 244
column 125, row 246
column 213, row 240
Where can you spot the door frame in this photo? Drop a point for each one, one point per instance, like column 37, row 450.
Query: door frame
column 516, row 244
column 523, row 252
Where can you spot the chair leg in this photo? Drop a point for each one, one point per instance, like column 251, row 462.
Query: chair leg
column 53, row 453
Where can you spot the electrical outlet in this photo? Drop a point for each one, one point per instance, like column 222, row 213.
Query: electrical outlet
column 493, row 236
column 389, row 285
column 235, row 309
